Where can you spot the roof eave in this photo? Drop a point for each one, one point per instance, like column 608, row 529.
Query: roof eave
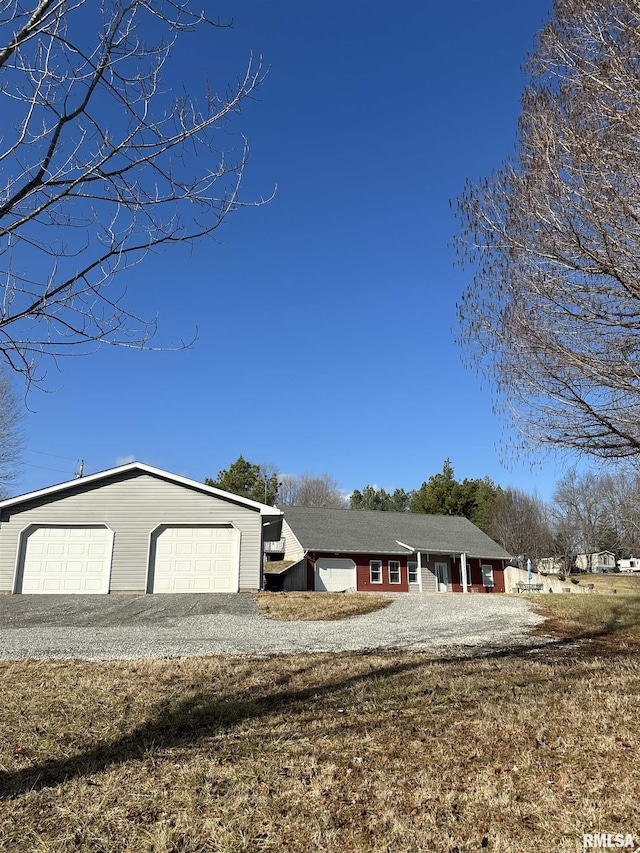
column 263, row 509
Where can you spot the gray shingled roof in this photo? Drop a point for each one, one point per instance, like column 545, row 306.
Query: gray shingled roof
column 368, row 532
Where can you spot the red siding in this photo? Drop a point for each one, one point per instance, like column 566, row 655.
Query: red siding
column 363, row 583
column 363, row 573
column 476, row 575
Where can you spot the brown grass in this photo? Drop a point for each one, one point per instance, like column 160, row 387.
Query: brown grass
column 512, row 751
column 623, row 583
column 318, row 606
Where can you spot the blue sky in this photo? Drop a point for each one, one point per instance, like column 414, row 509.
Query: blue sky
column 326, row 318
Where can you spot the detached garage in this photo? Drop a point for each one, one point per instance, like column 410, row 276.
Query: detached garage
column 133, row 529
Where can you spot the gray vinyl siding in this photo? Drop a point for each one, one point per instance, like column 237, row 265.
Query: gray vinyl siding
column 428, row 575
column 295, row 579
column 292, row 547
column 132, row 505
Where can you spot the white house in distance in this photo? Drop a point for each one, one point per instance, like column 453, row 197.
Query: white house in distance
column 133, row 529
column 599, row 562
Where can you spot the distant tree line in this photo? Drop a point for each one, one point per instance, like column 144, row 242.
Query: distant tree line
column 589, row 512
column 441, row 494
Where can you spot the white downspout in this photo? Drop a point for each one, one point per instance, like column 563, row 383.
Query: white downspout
column 463, row 571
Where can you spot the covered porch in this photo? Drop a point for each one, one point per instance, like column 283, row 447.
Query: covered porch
column 452, row 572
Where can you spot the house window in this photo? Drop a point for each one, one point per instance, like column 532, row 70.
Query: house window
column 487, row 575
column 394, row 571
column 375, row 571
column 413, row 571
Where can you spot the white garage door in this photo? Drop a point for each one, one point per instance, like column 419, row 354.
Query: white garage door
column 335, row 575
column 67, row 560
column 205, row 558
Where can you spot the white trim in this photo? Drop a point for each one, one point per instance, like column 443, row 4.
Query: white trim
column 484, row 566
column 190, row 524
column 371, row 580
column 420, row 570
column 145, row 469
column 408, row 547
column 21, row 548
column 395, row 583
column 463, row 571
column 416, row 563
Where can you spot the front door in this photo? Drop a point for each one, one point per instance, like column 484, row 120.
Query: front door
column 443, row 577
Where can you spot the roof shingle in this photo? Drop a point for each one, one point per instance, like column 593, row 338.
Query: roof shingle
column 368, row 531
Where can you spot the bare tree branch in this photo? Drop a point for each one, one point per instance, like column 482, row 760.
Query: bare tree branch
column 100, row 166
column 553, row 314
column 310, row 490
column 11, row 416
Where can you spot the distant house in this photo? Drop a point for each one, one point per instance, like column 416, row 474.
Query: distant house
column 339, row 549
column 550, row 565
column 599, row 562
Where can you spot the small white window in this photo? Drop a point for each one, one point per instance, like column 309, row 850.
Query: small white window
column 394, row 571
column 487, row 575
column 413, row 571
column 375, row 570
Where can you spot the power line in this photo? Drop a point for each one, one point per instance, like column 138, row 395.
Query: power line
column 57, row 456
column 44, row 468
column 53, row 455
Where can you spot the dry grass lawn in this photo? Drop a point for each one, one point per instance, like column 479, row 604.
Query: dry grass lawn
column 622, row 583
column 516, row 752
column 322, row 606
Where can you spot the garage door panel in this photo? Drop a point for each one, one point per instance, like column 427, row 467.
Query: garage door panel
column 334, row 574
column 196, row 559
column 71, row 559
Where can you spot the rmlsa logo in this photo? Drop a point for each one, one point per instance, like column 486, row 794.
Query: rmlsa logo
column 607, row 839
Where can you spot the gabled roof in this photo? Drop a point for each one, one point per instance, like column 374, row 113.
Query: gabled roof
column 140, row 468
column 371, row 532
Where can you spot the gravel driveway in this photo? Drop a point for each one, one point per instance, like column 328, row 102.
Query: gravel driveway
column 128, row 627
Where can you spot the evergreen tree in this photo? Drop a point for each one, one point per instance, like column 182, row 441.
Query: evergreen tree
column 380, row 499
column 248, row 480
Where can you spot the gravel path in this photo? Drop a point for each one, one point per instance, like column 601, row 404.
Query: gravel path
column 118, row 627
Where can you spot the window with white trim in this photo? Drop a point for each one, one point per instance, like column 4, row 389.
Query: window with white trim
column 487, row 575
column 412, row 568
column 375, row 571
column 394, row 571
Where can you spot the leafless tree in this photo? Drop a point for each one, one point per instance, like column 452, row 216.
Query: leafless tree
column 311, row 490
column 622, row 494
column 566, row 541
column 583, row 512
column 519, row 523
column 553, row 313
column 287, row 489
column 11, row 416
column 103, row 161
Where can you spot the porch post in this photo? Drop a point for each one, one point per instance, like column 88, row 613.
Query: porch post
column 463, row 571
column 419, row 554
